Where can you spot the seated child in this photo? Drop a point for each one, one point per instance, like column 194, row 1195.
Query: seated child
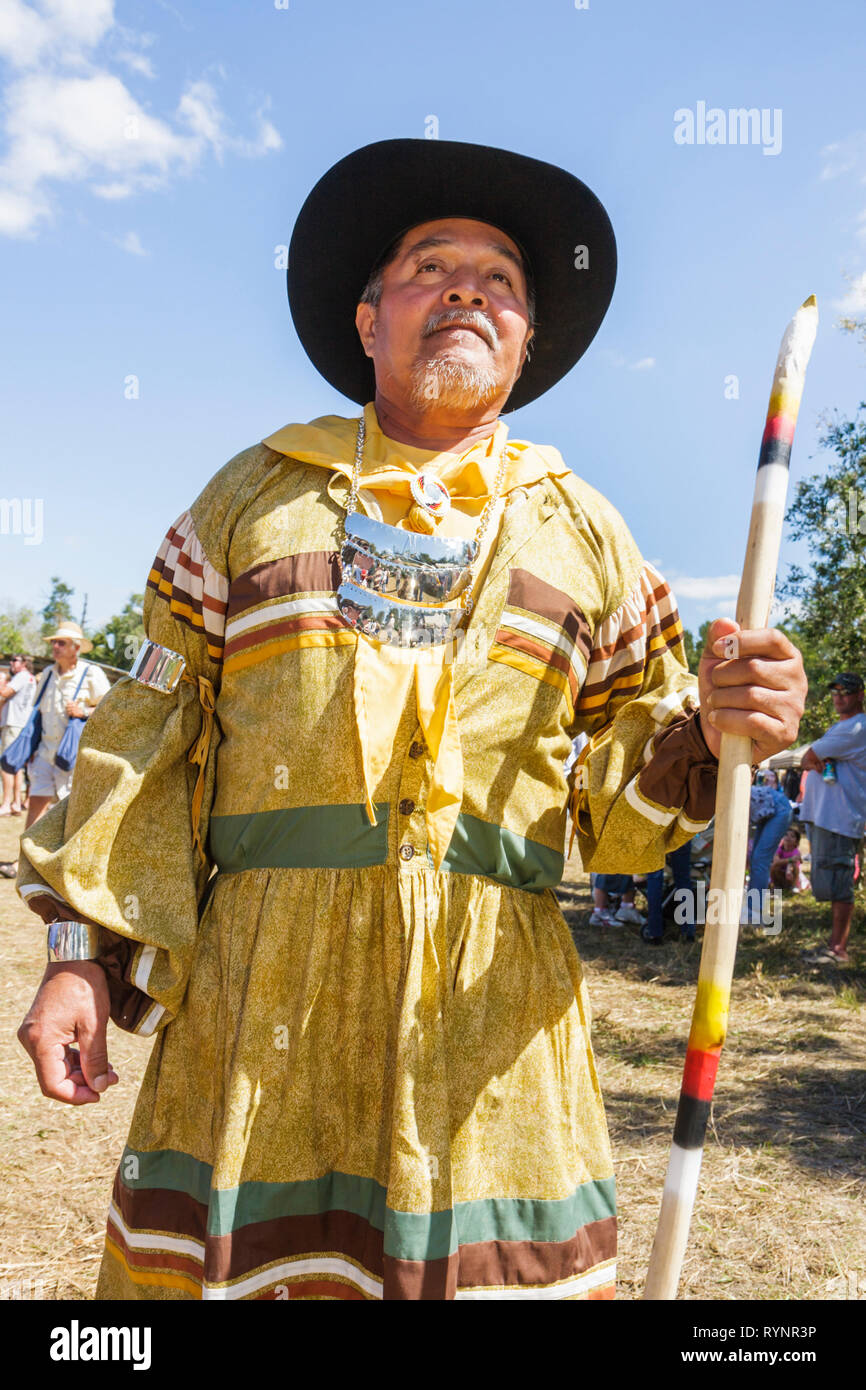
column 786, row 868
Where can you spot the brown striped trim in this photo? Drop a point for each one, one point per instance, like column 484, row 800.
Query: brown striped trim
column 183, row 577
column 243, row 1251
column 682, row 771
column 310, row 622
column 214, row 643
column 537, row 1262
column 154, row 1260
column 485, row 1264
column 247, row 1249
column 534, row 596
column 625, row 639
column 420, row 1280
column 549, row 656
column 161, row 1209
column 316, row 1288
column 312, row 571
column 592, row 689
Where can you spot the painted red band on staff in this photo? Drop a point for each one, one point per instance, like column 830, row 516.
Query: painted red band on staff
column 699, row 1074
column 780, row 427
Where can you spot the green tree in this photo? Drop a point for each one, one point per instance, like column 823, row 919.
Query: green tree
column 118, row 641
column 691, row 652
column 826, row 614
column 19, row 631
column 58, row 606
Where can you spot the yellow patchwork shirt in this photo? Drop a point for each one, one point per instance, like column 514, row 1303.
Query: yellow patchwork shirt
column 372, row 1075
column 572, row 632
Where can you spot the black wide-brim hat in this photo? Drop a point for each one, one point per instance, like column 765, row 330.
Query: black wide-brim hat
column 370, row 198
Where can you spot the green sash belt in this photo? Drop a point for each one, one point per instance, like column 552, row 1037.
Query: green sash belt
column 341, row 837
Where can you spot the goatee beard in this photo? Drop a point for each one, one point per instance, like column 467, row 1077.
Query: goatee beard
column 449, row 382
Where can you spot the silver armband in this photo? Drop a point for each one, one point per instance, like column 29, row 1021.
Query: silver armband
column 158, row 667
column 72, row 941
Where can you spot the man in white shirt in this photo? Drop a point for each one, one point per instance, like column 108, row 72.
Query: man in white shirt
column 71, row 689
column 16, row 702
column 836, row 810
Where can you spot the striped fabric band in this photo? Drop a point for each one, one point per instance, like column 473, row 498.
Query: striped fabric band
column 170, row 1227
column 644, row 625
column 197, row 594
column 544, row 634
column 282, row 606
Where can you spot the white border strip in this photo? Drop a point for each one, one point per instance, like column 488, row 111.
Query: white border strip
column 581, row 1283
column 546, row 632
column 150, row 1020
column 294, row 1269
column 156, row 1240
column 27, row 890
column 144, row 965
column 291, row 609
column 646, row 808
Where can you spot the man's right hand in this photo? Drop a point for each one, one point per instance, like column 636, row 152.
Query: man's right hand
column 71, row 1005
column 811, row 762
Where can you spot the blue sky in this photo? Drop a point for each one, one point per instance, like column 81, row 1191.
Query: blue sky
column 154, row 156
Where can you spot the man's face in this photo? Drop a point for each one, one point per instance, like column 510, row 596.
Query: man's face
column 847, row 702
column 451, row 329
column 63, row 649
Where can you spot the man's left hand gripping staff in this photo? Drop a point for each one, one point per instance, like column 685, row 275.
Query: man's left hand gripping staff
column 753, row 684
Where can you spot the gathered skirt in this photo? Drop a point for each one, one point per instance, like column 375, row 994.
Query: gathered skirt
column 379, row 1085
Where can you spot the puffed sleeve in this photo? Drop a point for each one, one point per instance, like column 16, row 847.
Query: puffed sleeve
column 645, row 782
column 120, row 852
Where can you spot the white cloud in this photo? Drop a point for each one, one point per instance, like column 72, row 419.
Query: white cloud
column 616, row 359
column 710, row 587
column 844, row 156
column 70, row 119
column 136, row 62
column 132, row 243
column 853, row 303
column 63, row 29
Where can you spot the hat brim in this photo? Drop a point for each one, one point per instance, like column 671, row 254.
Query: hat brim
column 84, row 643
column 367, row 200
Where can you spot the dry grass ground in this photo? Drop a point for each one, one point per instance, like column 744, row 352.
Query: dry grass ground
column 780, row 1211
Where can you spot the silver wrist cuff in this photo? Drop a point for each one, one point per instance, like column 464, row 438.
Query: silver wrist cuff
column 72, row 941
column 158, row 667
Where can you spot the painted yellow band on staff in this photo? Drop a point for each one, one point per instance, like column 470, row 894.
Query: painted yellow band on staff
column 784, row 403
column 710, row 1018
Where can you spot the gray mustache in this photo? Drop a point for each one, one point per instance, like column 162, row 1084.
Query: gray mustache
column 465, row 318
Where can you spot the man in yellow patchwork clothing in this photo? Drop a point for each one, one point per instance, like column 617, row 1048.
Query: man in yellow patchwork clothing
column 334, row 788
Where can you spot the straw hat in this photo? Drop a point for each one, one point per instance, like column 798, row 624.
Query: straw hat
column 72, row 631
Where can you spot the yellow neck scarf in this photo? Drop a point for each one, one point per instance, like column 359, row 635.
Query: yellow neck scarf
column 385, row 674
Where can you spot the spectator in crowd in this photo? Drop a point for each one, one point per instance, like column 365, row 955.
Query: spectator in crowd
column 16, row 702
column 786, row 870
column 72, row 690
column 680, row 861
column 834, row 807
column 603, row 914
column 771, row 814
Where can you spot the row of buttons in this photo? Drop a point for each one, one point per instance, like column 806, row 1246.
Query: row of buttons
column 407, row 852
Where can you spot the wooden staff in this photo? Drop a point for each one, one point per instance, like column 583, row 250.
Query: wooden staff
column 710, row 1016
